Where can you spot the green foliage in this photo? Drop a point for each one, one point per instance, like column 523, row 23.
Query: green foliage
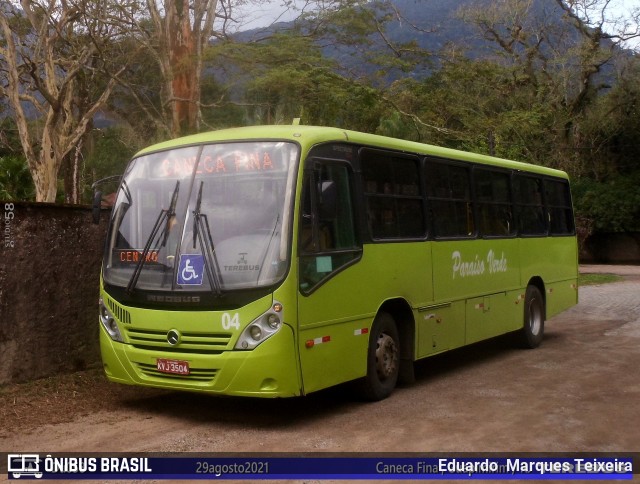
column 217, row 114
column 612, row 205
column 478, row 106
column 535, row 100
column 288, row 77
column 138, row 103
column 15, row 179
column 609, row 133
column 607, row 192
column 110, row 151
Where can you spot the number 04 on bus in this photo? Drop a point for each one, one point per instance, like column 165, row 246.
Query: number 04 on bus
column 275, row 261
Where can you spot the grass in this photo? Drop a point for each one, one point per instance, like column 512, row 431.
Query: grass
column 594, row 279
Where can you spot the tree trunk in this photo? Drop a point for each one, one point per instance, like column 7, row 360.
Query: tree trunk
column 182, row 54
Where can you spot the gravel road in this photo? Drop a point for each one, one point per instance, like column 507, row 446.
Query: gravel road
column 578, row 392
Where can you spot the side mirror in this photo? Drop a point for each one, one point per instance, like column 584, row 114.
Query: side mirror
column 97, row 196
column 97, row 206
column 328, row 201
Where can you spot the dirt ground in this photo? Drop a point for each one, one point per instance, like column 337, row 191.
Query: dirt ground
column 578, row 392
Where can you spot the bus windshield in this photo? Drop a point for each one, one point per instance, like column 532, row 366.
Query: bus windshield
column 203, row 218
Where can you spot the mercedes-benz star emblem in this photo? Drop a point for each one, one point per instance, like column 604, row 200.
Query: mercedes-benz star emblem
column 173, row 337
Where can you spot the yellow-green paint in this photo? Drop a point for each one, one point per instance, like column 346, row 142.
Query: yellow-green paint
column 458, row 292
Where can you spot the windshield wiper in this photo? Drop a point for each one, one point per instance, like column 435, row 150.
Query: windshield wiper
column 200, row 228
column 164, row 214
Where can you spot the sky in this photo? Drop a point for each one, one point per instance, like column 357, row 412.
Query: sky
column 628, row 8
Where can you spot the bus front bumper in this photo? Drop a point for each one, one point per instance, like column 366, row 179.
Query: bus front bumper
column 269, row 370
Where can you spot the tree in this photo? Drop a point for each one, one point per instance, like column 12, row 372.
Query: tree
column 561, row 51
column 61, row 57
column 612, row 205
column 180, row 31
column 298, row 71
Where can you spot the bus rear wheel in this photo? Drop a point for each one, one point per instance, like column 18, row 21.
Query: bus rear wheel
column 532, row 330
column 383, row 359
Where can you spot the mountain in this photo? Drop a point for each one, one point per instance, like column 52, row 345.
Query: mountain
column 437, row 25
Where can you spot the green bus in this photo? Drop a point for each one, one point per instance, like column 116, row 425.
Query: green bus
column 275, row 261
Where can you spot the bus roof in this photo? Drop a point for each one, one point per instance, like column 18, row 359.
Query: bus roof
column 308, row 136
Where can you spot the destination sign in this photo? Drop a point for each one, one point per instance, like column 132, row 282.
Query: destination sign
column 231, row 162
column 133, row 256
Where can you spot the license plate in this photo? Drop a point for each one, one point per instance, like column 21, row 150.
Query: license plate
column 175, row 367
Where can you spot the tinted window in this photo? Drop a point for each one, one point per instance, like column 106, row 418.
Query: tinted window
column 530, row 211
column 493, row 197
column 327, row 231
column 449, row 193
column 558, row 200
column 393, row 199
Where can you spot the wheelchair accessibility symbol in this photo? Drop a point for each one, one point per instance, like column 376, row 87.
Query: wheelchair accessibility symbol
column 191, row 269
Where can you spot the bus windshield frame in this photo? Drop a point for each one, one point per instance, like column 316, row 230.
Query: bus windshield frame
column 210, row 219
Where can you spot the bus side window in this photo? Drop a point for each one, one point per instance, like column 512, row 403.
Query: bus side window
column 450, row 203
column 310, row 242
column 493, row 197
column 393, row 195
column 559, row 207
column 327, row 237
column 529, row 205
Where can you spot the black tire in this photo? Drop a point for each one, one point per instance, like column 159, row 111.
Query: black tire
column 532, row 331
column 383, row 359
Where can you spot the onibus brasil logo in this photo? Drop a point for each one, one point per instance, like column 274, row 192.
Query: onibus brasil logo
column 24, row 465
column 32, row 466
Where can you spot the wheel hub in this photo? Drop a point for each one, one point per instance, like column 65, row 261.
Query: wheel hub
column 386, row 356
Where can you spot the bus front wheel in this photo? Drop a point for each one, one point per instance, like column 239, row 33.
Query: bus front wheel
column 532, row 330
column 383, row 359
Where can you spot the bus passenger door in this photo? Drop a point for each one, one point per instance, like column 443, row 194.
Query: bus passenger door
column 328, row 278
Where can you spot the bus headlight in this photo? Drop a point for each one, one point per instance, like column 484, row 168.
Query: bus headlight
column 109, row 322
column 273, row 321
column 255, row 332
column 261, row 328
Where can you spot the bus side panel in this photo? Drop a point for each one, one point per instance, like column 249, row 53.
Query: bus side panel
column 469, row 268
column 485, row 276
column 561, row 296
column 440, row 329
column 494, row 315
column 335, row 320
column 554, row 260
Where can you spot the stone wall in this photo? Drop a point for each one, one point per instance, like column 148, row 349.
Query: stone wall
column 49, row 278
column 619, row 248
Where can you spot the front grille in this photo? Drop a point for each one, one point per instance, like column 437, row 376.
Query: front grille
column 190, row 342
column 120, row 313
column 195, row 374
